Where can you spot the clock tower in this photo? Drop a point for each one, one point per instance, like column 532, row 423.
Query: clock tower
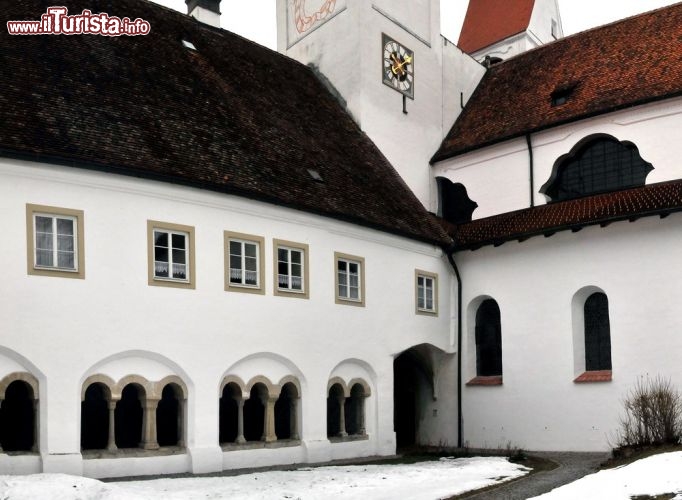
column 389, row 66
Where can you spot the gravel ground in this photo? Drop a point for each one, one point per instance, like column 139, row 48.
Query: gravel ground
column 572, row 466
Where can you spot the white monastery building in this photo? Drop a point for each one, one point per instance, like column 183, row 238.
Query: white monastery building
column 219, row 256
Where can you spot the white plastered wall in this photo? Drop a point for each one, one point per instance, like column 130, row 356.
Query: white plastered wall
column 498, row 177
column 539, row 407
column 69, row 329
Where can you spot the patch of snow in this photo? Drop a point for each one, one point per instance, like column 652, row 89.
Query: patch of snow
column 420, row 481
column 654, row 475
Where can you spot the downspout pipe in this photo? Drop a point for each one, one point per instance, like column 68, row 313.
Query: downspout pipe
column 531, row 169
column 460, row 422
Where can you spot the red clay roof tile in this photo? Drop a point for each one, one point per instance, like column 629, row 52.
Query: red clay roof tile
column 627, row 63
column 232, row 117
column 654, row 199
column 489, row 21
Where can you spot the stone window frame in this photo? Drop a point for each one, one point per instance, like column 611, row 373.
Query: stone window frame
column 291, row 245
column 78, row 215
column 339, row 256
column 246, row 238
column 152, row 280
column 418, row 273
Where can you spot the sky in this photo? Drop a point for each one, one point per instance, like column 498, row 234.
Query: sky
column 255, row 19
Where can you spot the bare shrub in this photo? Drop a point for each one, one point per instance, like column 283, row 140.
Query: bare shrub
column 653, row 414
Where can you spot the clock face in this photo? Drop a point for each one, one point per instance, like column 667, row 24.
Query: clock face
column 397, row 68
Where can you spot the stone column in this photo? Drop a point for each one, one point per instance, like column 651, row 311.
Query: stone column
column 182, row 404
column 149, row 424
column 36, row 425
column 342, row 416
column 269, row 419
column 361, row 416
column 111, row 443
column 240, row 421
column 293, row 418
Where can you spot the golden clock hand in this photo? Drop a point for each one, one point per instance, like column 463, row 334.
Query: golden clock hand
column 398, row 66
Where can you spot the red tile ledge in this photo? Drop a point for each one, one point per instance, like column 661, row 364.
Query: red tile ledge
column 494, row 380
column 594, row 376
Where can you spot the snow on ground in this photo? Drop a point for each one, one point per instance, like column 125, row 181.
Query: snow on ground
column 420, row 481
column 654, row 475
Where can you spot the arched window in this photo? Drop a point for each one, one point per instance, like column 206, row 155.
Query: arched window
column 128, row 417
column 17, row 418
column 355, row 411
column 95, row 418
column 600, row 165
column 597, row 333
column 169, row 417
column 488, row 340
column 455, row 205
column 254, row 413
column 285, row 413
column 229, row 413
column 335, row 412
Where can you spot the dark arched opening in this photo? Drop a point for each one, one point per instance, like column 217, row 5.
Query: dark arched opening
column 334, row 398
column 254, row 413
column 229, row 416
column 488, row 339
column 95, row 418
column 455, row 205
column 598, row 164
column 597, row 333
column 128, row 417
column 412, row 389
column 355, row 411
column 17, row 418
column 285, row 413
column 168, row 418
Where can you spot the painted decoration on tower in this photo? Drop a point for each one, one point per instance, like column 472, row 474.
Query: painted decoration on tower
column 306, row 15
column 397, row 67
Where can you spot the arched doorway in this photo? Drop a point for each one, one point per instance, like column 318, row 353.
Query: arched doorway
column 413, row 389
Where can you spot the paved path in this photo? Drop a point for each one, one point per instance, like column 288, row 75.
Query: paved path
column 572, row 466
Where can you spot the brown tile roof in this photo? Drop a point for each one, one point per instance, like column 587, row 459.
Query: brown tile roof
column 619, row 65
column 232, row 117
column 631, row 204
column 489, row 21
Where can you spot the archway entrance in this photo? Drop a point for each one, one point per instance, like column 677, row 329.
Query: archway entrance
column 413, row 390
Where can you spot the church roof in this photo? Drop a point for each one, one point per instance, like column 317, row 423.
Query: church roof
column 627, row 63
column 489, row 21
column 231, row 116
column 659, row 199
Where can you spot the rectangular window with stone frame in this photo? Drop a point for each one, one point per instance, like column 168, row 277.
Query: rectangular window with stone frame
column 291, row 269
column 349, row 279
column 170, row 250
column 426, row 292
column 244, row 263
column 55, row 241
